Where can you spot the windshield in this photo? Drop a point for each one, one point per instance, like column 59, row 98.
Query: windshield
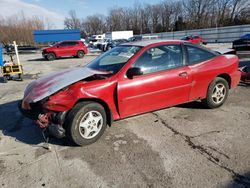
column 113, row 60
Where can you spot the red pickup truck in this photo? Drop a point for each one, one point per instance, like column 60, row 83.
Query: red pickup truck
column 66, row 48
column 132, row 78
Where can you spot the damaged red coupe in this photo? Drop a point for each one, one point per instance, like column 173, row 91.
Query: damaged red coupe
column 131, row 79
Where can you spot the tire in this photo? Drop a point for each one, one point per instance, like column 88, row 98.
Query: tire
column 94, row 122
column 109, row 48
column 80, row 54
column 20, row 76
column 104, row 48
column 51, row 56
column 217, row 93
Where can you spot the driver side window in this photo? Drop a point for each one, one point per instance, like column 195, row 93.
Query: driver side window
column 160, row 58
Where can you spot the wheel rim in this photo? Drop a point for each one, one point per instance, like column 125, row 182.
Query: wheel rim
column 219, row 93
column 80, row 54
column 90, row 124
column 50, row 57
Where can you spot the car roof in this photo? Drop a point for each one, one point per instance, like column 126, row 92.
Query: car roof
column 149, row 42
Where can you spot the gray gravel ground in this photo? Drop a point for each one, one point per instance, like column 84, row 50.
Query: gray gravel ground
column 182, row 146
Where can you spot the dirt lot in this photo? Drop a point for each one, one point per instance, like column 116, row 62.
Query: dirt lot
column 183, row 146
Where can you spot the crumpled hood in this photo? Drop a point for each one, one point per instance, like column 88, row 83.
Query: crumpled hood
column 50, row 84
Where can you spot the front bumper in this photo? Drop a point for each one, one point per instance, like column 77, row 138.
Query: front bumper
column 28, row 113
column 53, row 121
column 44, row 54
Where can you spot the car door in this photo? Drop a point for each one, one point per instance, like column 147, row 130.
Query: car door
column 62, row 49
column 165, row 81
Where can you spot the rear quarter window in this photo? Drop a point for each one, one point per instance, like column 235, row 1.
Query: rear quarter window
column 197, row 55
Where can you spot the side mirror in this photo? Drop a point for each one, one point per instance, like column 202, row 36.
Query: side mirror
column 134, row 71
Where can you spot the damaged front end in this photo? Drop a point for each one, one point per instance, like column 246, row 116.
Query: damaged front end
column 49, row 99
column 45, row 119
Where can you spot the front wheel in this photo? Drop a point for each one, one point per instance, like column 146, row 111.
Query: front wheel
column 86, row 123
column 217, row 93
column 50, row 56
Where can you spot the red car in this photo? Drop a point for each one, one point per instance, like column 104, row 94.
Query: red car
column 66, row 48
column 245, row 74
column 196, row 39
column 130, row 79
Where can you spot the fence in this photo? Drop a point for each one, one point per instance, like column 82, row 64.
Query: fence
column 211, row 35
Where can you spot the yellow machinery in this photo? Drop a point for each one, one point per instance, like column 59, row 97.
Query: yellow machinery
column 11, row 70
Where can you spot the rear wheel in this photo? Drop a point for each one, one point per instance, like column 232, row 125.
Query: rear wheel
column 86, row 123
column 50, row 56
column 217, row 93
column 80, row 54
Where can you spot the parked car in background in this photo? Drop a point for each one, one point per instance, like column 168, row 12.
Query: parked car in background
column 243, row 43
column 73, row 48
column 103, row 43
column 95, row 40
column 135, row 38
column 112, row 43
column 195, row 39
column 130, row 79
column 245, row 74
column 142, row 37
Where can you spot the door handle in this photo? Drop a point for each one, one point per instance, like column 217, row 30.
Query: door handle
column 183, row 74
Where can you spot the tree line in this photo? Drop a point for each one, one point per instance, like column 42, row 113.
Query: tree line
column 20, row 28
column 164, row 17
column 141, row 18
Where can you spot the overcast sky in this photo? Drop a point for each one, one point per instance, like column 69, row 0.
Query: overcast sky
column 56, row 10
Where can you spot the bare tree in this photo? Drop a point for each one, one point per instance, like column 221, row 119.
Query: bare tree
column 176, row 15
column 237, row 8
column 20, row 29
column 141, row 18
column 72, row 22
column 94, row 24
